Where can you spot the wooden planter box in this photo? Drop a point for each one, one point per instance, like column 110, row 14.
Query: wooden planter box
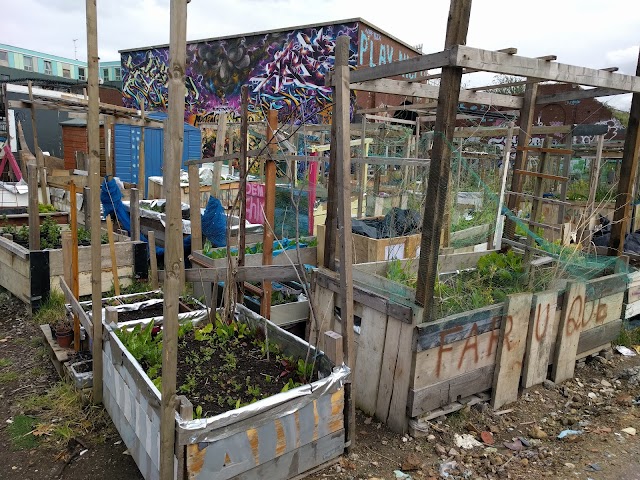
column 19, row 216
column 416, row 369
column 285, row 314
column 366, row 250
column 308, row 255
column 278, row 437
column 31, row 274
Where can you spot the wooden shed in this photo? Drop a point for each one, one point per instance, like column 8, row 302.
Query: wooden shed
column 74, row 139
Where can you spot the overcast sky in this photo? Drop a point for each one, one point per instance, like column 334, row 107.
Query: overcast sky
column 589, row 33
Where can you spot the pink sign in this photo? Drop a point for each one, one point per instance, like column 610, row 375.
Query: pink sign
column 255, row 202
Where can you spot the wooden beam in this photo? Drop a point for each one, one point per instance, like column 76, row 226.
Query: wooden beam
column 114, row 260
column 142, row 179
column 221, row 137
column 628, row 173
column 411, row 65
column 93, row 139
column 423, row 90
column 269, row 209
column 153, row 259
column 489, row 61
column 501, row 131
column 244, row 145
column 224, row 158
column 174, row 262
column 340, row 142
column 457, row 27
column 75, row 275
column 418, row 107
column 579, row 94
column 506, row 160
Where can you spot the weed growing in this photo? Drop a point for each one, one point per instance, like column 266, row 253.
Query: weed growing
column 52, row 310
column 8, row 377
column 629, row 337
column 5, row 362
column 20, row 433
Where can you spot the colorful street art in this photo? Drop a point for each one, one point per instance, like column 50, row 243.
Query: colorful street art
column 284, row 71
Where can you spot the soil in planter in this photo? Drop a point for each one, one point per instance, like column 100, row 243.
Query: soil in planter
column 153, row 311
column 220, row 367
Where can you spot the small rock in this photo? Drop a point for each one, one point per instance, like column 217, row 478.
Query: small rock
column 431, row 438
column 592, row 395
column 549, row 385
column 453, row 452
column 524, row 462
column 384, row 442
column 537, row 432
column 367, row 421
column 338, row 469
column 418, row 448
column 487, row 437
column 354, row 457
column 570, row 466
column 440, row 450
column 411, row 462
column 624, row 399
column 605, row 383
column 629, row 431
column 405, row 439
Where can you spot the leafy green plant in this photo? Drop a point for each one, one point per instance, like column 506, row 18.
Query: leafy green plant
column 46, row 208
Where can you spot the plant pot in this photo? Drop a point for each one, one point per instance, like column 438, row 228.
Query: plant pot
column 64, row 337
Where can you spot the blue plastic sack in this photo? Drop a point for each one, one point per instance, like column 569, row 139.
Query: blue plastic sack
column 214, row 223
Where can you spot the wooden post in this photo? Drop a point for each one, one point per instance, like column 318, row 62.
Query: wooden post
column 244, row 137
column 628, row 171
column 93, row 137
column 75, row 275
column 194, row 207
column 142, row 180
column 34, row 213
column 153, row 260
column 174, row 262
column 70, row 273
column 362, row 176
column 221, row 137
column 134, row 214
column 506, row 157
column 457, row 27
column 36, row 148
column 341, row 144
column 269, row 209
column 526, row 119
column 333, row 347
column 584, row 233
column 114, row 260
column 67, row 246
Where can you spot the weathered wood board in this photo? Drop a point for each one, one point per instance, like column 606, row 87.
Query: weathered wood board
column 564, row 359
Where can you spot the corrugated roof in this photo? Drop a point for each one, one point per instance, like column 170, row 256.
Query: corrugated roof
column 286, row 29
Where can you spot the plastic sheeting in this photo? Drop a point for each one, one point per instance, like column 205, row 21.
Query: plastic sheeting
column 396, row 223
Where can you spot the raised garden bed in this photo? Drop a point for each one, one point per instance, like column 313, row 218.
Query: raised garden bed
column 19, row 216
column 282, row 435
column 414, row 369
column 31, row 274
column 289, row 306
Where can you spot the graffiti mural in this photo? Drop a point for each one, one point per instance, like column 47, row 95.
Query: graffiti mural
column 284, row 71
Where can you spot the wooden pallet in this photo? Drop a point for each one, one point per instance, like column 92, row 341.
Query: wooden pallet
column 57, row 354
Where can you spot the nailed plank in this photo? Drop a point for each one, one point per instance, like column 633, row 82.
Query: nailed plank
column 597, row 336
column 540, row 339
column 77, row 308
column 577, row 95
column 602, row 311
column 490, row 61
column 443, row 393
column 423, row 90
column 458, row 327
column 605, row 286
column 388, row 369
column 564, row 359
column 14, row 248
column 397, row 419
column 411, row 65
column 369, row 298
column 371, row 341
column 283, row 273
column 511, row 348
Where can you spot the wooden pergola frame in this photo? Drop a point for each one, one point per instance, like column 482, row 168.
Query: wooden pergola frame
column 455, row 60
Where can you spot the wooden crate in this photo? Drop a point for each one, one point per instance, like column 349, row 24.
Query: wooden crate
column 366, row 250
column 267, row 439
column 31, row 274
column 412, row 368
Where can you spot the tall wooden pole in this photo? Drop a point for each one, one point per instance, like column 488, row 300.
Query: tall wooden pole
column 75, row 275
column 142, row 178
column 244, row 136
column 457, row 26
column 174, row 261
column 34, row 213
column 628, row 170
column 341, row 144
column 93, row 138
column 269, row 209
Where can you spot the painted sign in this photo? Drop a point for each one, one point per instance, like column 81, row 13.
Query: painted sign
column 255, row 202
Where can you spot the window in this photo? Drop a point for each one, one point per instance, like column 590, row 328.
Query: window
column 4, row 58
column 105, row 74
column 47, row 67
column 66, row 73
column 118, row 73
column 28, row 64
column 82, row 73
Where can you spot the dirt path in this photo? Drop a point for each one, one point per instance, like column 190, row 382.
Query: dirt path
column 600, row 401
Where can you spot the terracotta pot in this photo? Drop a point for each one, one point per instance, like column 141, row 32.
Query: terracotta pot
column 64, row 338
